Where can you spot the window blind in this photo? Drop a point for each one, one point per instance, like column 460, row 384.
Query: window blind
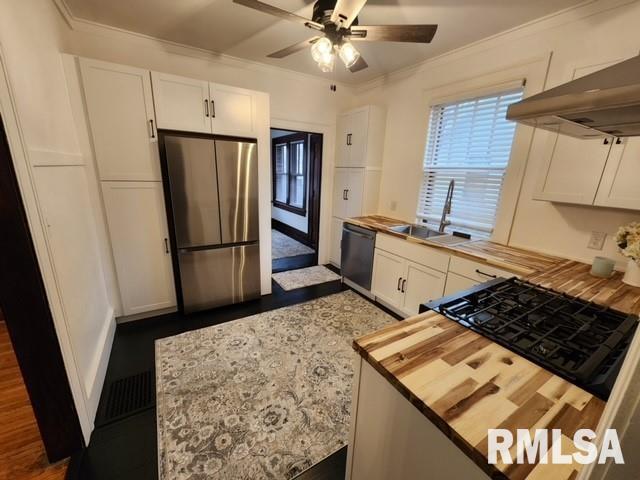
column 470, row 142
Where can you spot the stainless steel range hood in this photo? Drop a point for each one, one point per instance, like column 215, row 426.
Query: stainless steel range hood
column 603, row 103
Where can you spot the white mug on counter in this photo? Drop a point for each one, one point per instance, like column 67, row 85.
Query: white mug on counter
column 602, row 267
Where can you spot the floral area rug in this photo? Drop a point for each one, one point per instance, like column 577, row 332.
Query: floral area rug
column 283, row 246
column 263, row 397
column 304, row 277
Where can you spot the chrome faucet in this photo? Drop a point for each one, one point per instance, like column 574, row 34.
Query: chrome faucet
column 446, row 210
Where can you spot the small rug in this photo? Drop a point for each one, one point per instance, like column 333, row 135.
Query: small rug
column 304, row 277
column 263, row 397
column 283, row 246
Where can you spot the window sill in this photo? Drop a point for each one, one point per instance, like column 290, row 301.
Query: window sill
column 283, row 206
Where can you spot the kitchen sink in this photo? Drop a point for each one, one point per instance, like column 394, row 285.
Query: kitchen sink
column 426, row 233
column 418, row 231
column 449, row 239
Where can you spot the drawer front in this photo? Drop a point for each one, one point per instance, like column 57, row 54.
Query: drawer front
column 480, row 272
column 418, row 253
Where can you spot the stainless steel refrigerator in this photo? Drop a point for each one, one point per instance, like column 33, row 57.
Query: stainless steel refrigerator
column 213, row 190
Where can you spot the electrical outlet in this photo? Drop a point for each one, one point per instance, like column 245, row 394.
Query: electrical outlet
column 596, row 242
column 393, row 204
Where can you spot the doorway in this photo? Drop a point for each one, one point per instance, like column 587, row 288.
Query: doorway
column 295, row 204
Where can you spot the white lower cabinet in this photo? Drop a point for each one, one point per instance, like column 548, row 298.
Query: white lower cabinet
column 335, row 249
column 392, row 439
column 403, row 284
column 139, row 239
column 457, row 283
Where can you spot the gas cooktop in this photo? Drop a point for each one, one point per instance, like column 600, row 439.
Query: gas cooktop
column 575, row 339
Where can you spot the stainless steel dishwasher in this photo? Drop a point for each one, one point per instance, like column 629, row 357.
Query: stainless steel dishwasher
column 356, row 261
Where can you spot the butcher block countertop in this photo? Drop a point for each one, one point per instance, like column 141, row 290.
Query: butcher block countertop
column 559, row 274
column 466, row 384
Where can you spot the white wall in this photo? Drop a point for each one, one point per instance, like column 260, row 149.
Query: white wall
column 607, row 27
column 57, row 186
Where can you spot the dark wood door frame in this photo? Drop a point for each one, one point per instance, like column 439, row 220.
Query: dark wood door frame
column 314, row 172
column 29, row 321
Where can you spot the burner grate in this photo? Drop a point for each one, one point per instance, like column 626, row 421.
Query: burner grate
column 583, row 342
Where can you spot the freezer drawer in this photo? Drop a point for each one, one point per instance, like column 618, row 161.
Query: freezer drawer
column 220, row 276
column 358, row 246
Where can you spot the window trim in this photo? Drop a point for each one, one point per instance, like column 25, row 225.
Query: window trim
column 288, row 139
column 531, row 71
column 498, row 89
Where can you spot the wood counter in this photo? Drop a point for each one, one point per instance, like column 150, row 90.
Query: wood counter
column 559, row 274
column 466, row 384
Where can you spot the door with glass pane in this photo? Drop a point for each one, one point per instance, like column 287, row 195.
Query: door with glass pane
column 290, row 165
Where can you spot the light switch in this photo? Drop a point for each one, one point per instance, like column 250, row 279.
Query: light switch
column 596, row 242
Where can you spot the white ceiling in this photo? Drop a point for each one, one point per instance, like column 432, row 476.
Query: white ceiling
column 224, row 27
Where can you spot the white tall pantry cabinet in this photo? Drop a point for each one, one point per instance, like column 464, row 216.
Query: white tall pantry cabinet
column 125, row 106
column 356, row 181
column 125, row 141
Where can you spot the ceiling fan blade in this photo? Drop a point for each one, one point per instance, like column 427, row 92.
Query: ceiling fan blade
column 346, row 11
column 361, row 64
column 278, row 12
column 393, row 33
column 293, row 48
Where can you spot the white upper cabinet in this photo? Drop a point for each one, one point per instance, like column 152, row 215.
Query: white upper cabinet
column 233, row 110
column 619, row 186
column 122, row 122
column 200, row 106
column 598, row 171
column 573, row 171
column 360, row 137
column 181, row 103
column 140, row 243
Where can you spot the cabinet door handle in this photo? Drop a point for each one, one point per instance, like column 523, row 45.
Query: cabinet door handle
column 399, row 281
column 349, row 139
column 618, row 141
column 206, row 108
column 213, row 109
column 166, row 246
column 344, row 194
column 346, row 197
column 485, row 274
column 404, row 283
column 606, row 141
column 153, row 132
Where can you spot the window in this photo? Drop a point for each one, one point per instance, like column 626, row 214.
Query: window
column 290, row 172
column 469, row 142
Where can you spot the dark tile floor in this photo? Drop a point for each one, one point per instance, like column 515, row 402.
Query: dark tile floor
column 126, row 448
column 293, row 263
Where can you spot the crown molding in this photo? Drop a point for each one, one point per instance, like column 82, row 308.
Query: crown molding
column 176, row 48
column 555, row 19
column 562, row 17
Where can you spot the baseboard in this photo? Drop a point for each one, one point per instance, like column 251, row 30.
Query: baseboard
column 95, row 379
column 292, row 232
column 143, row 315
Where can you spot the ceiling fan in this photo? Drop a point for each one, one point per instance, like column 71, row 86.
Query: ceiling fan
column 337, row 24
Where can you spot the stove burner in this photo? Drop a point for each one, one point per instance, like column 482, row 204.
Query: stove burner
column 580, row 341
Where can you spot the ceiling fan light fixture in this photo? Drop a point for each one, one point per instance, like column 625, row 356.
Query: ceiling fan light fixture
column 321, row 48
column 348, row 54
column 326, row 62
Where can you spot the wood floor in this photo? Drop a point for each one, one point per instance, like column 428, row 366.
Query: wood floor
column 22, row 453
